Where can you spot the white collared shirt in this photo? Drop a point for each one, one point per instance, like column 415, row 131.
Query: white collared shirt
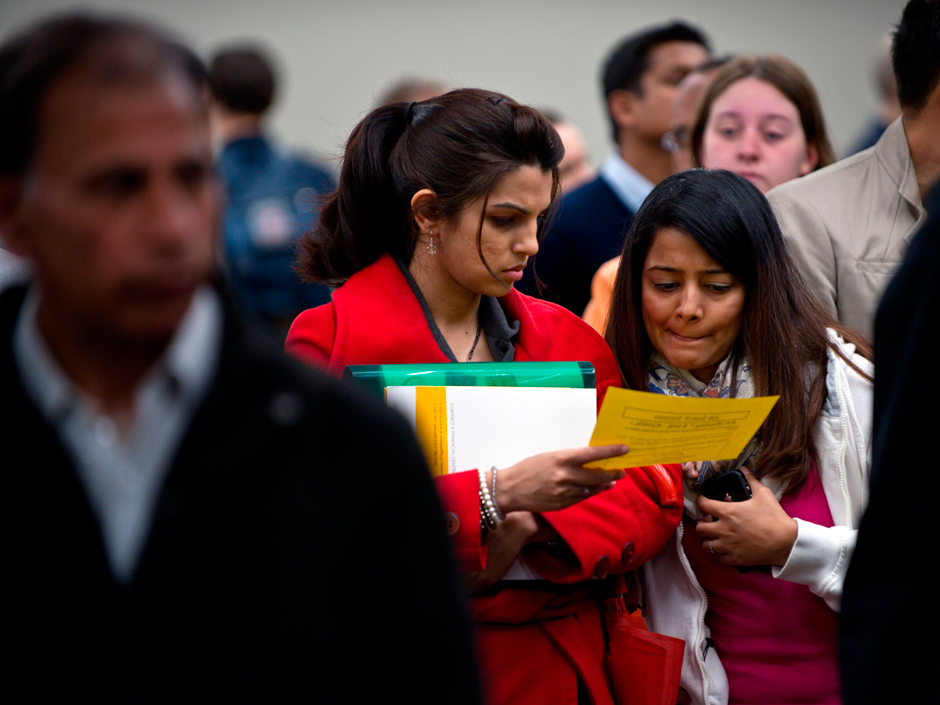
column 123, row 474
column 631, row 186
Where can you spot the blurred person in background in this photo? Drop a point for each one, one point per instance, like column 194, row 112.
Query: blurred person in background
column 411, row 88
column 678, row 140
column 192, row 515
column 761, row 118
column 639, row 83
column 889, row 108
column 849, row 225
column 271, row 195
column 575, row 168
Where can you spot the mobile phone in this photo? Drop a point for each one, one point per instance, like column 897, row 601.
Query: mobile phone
column 730, row 484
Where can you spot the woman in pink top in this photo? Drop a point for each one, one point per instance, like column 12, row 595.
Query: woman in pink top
column 711, row 305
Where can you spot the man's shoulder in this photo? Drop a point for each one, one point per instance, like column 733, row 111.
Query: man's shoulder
column 254, row 355
column 847, row 180
column 820, row 184
column 595, row 198
column 11, row 301
column 283, row 396
column 592, row 212
column 256, row 161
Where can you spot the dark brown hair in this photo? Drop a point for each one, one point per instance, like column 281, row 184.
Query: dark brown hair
column 116, row 50
column 915, row 53
column 786, row 77
column 783, row 333
column 630, row 59
column 457, row 145
column 242, row 79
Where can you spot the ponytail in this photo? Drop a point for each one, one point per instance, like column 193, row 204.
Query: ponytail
column 363, row 218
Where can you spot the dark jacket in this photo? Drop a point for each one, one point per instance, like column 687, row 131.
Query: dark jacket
column 276, row 562
column 889, row 613
column 587, row 230
column 271, row 198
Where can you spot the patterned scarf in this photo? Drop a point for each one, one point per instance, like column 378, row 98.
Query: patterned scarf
column 669, row 380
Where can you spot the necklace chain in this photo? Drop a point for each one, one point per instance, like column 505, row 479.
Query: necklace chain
column 476, row 340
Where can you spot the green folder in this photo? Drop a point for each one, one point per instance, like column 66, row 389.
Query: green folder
column 376, row 378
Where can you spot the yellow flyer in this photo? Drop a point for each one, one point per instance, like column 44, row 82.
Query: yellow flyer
column 664, row 429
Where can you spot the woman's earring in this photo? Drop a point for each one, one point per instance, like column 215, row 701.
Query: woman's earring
column 432, row 248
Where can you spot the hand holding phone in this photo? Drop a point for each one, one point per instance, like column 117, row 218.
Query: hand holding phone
column 730, row 486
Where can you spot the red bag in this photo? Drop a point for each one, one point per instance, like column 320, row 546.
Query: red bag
column 644, row 667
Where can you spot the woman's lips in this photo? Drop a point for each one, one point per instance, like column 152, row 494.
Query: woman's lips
column 683, row 338
column 515, row 274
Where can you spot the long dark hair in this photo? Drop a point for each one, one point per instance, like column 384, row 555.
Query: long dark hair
column 457, row 144
column 783, row 329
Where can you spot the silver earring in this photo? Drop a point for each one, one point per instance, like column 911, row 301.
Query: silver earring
column 432, row 248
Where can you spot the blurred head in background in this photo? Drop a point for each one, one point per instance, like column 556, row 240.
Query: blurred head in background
column 760, row 117
column 639, row 83
column 575, row 168
column 678, row 140
column 243, row 83
column 411, row 89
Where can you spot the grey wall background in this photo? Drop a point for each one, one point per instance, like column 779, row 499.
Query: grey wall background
column 336, row 57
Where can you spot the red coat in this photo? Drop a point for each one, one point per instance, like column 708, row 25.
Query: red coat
column 375, row 318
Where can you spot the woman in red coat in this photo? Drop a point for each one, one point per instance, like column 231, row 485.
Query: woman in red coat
column 437, row 212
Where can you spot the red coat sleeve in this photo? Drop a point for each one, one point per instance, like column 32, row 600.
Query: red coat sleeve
column 460, row 497
column 621, row 528
column 311, row 336
column 615, row 531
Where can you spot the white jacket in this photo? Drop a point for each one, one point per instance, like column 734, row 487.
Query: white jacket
column 676, row 603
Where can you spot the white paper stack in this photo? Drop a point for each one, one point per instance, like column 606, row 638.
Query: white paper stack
column 464, row 428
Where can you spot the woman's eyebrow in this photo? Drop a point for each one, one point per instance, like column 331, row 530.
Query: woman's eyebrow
column 664, row 268
column 513, row 206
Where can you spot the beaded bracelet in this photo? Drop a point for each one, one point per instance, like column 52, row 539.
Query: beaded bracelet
column 488, row 516
column 499, row 513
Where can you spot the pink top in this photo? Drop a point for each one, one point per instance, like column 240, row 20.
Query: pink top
column 776, row 639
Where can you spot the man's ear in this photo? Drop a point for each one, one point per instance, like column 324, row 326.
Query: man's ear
column 424, row 215
column 621, row 104
column 11, row 235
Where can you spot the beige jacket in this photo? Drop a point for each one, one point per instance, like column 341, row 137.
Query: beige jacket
column 849, row 225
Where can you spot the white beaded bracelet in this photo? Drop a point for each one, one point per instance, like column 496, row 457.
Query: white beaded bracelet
column 487, row 509
column 499, row 512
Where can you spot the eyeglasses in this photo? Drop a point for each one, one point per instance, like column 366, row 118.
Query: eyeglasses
column 675, row 139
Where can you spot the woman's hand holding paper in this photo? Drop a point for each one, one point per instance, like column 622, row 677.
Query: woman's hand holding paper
column 551, row 481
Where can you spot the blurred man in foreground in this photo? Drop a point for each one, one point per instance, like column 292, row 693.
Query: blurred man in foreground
column 191, row 516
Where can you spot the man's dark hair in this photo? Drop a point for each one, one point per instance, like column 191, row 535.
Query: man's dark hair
column 630, row 60
column 242, row 79
column 117, row 50
column 916, row 52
